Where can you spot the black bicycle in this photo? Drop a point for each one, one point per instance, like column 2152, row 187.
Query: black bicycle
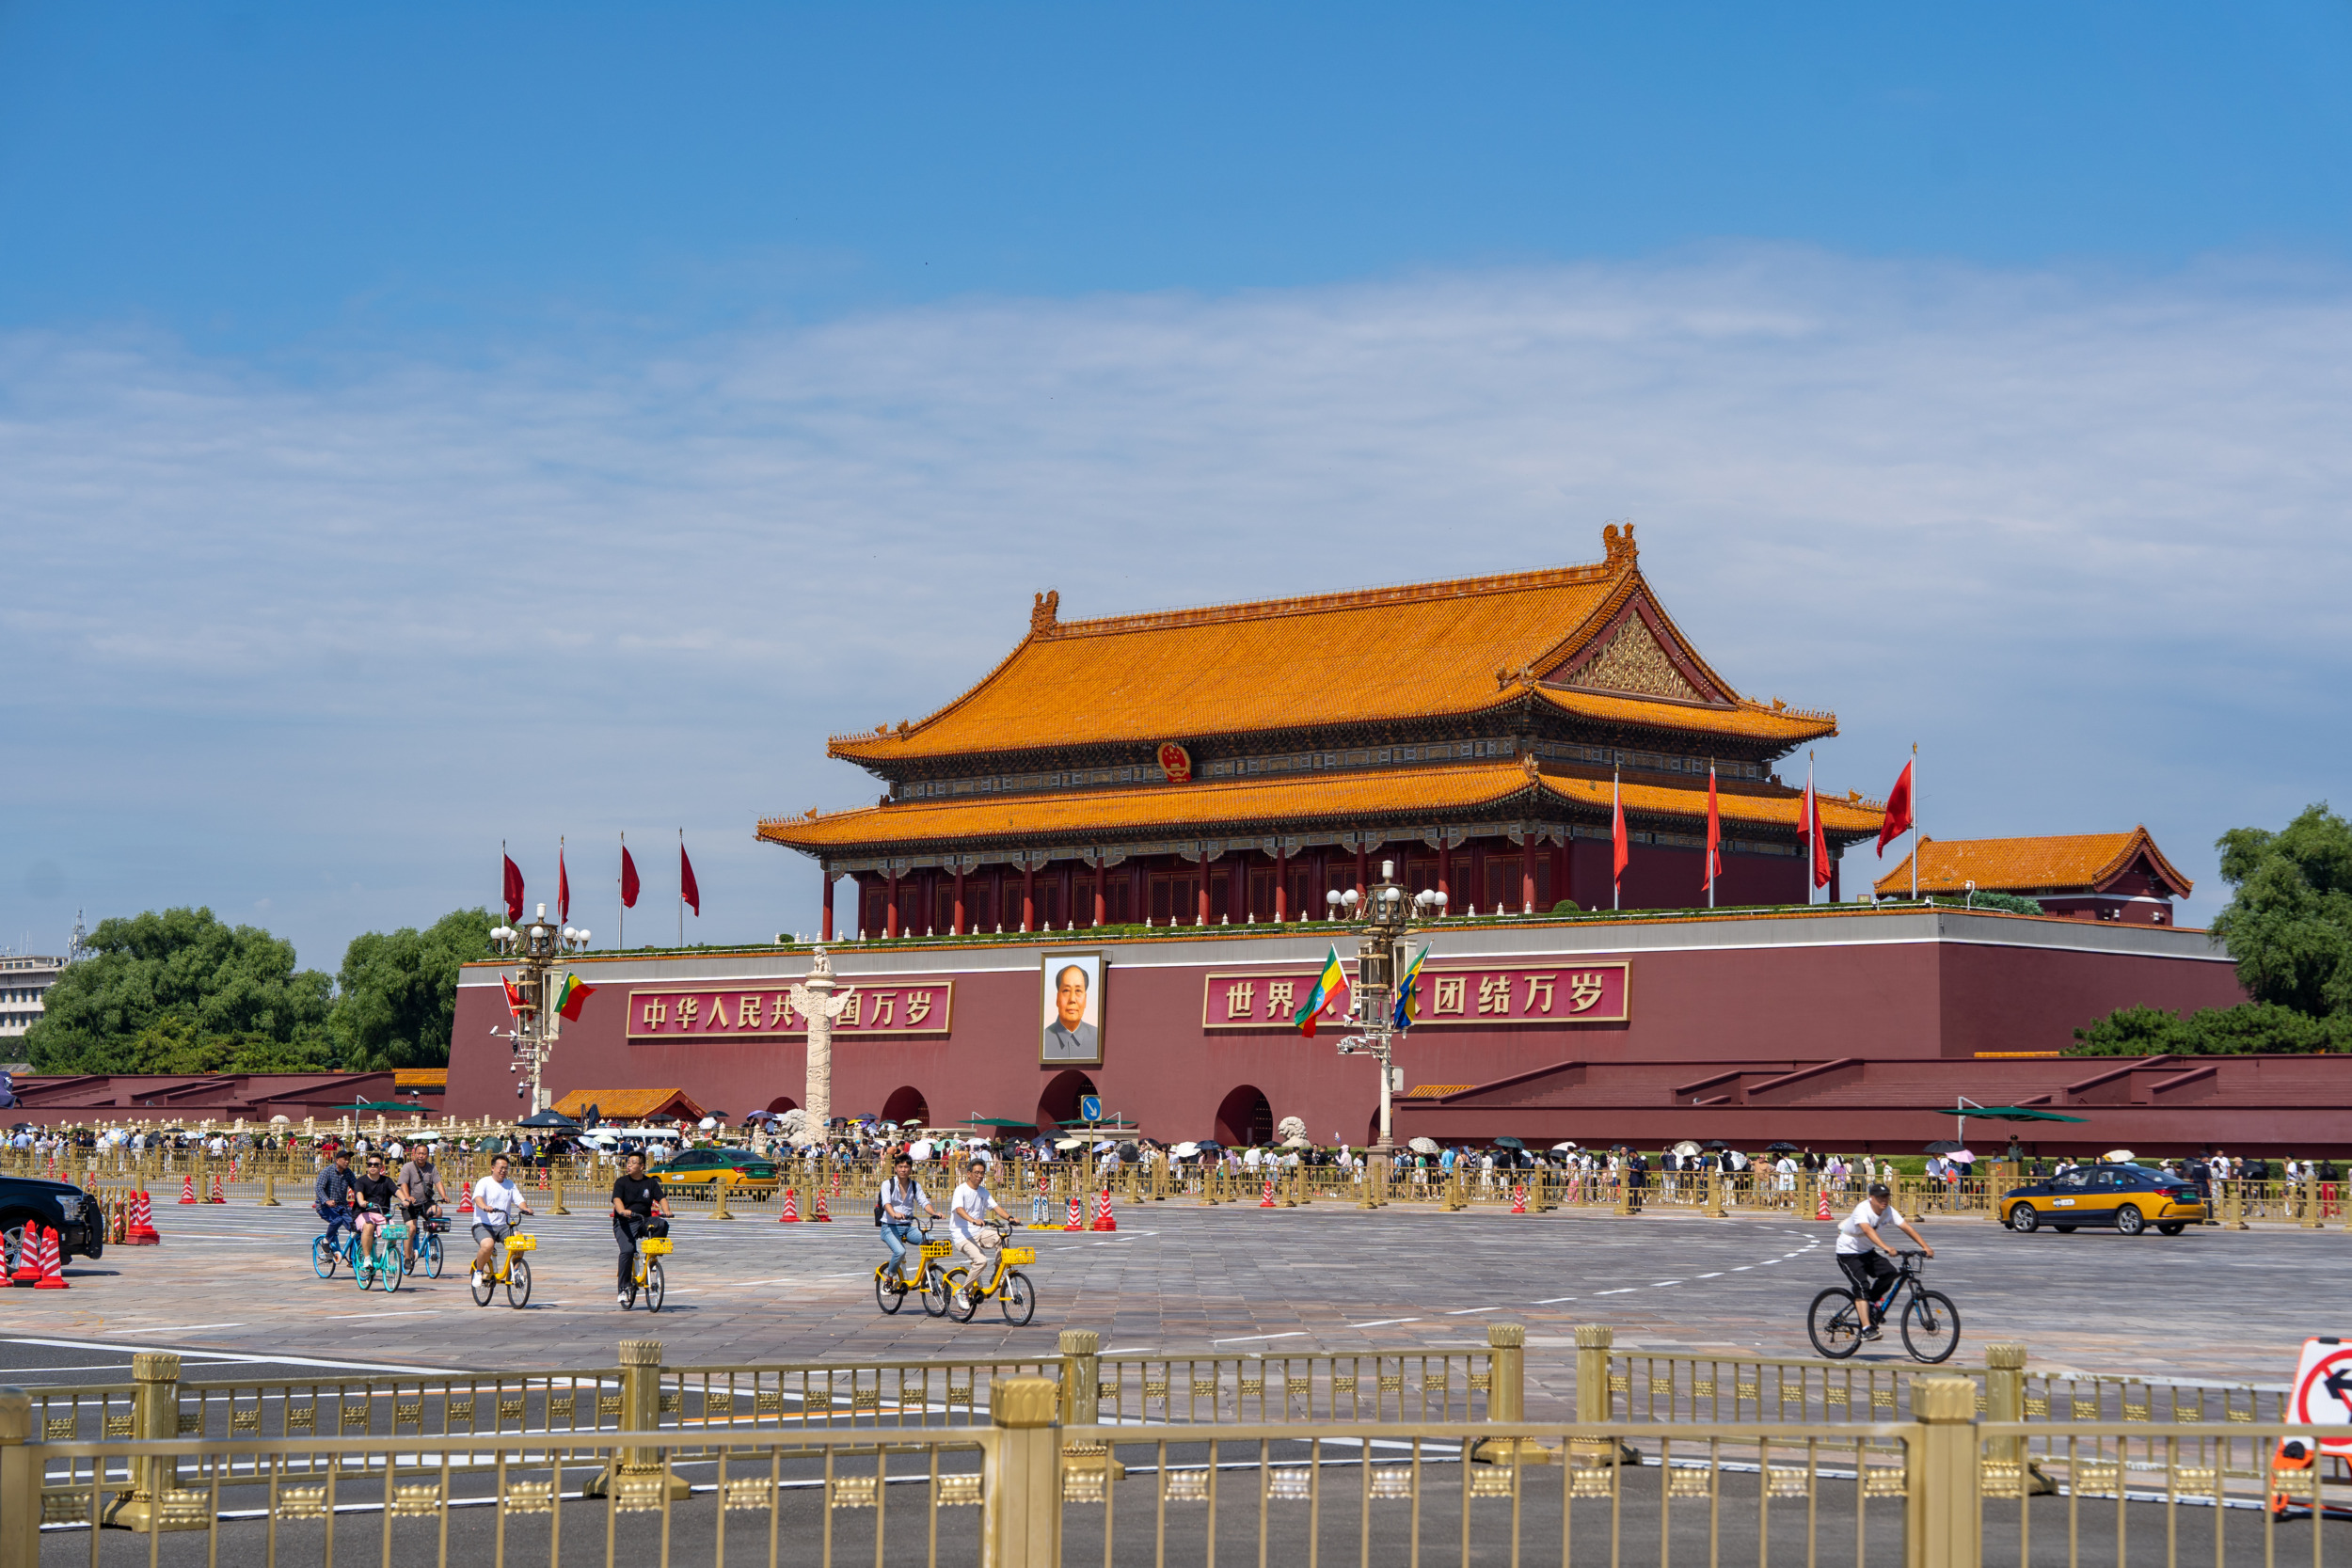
column 1930, row 1323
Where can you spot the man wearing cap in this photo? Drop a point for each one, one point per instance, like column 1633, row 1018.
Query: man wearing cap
column 1859, row 1250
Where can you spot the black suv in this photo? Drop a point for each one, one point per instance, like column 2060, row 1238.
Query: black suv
column 58, row 1206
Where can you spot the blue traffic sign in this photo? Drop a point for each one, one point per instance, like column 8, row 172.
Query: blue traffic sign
column 1091, row 1107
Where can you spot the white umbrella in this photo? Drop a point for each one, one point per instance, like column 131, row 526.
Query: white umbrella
column 280, row 1121
column 920, row 1148
column 1185, row 1151
column 1557, row 1147
column 1685, row 1148
column 707, row 1123
column 1104, row 1144
column 2119, row 1156
column 1424, row 1145
column 1069, row 1142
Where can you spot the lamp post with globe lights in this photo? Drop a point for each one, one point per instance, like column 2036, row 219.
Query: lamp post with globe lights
column 1388, row 914
column 537, row 949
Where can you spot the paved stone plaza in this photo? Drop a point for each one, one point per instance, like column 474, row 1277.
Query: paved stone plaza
column 236, row 1282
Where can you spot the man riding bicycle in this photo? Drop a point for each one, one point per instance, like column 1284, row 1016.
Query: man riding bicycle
column 419, row 1195
column 331, row 1194
column 639, row 1209
column 373, row 1193
column 1862, row 1255
column 900, row 1195
column 497, row 1204
column 967, row 1225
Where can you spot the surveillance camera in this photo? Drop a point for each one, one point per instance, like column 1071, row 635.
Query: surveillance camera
column 518, row 1090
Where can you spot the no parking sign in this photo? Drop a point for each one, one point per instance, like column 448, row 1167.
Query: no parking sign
column 2323, row 1392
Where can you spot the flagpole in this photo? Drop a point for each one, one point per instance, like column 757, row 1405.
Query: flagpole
column 621, row 919
column 1916, row 841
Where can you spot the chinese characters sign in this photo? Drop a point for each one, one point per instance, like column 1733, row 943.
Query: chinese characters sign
column 1454, row 993
column 765, row 1009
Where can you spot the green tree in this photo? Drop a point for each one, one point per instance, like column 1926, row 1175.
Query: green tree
column 184, row 983
column 2289, row 928
column 398, row 1000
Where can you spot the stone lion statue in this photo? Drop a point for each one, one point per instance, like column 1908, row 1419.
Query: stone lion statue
column 1292, row 1131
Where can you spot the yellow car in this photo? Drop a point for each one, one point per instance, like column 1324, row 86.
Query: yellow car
column 699, row 1172
column 2128, row 1197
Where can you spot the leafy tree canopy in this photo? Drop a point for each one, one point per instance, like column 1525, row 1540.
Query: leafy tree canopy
column 2289, row 926
column 2005, row 903
column 398, row 990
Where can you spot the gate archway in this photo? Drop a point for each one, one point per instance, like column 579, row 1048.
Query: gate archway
column 1244, row 1118
column 1059, row 1101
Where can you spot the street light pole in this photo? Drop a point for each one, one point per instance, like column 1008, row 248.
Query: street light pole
column 1380, row 959
column 537, row 950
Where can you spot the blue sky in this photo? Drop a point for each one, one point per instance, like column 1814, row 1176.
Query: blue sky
column 745, row 369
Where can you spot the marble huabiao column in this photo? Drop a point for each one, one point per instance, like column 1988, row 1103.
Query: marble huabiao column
column 815, row 1000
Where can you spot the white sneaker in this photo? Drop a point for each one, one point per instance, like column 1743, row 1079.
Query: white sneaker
column 623, row 1298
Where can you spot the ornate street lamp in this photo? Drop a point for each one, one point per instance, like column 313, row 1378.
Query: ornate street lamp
column 536, row 949
column 1388, row 915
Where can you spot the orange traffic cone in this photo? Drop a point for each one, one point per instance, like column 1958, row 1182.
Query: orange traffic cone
column 820, row 1217
column 791, row 1214
column 1267, row 1202
column 1103, row 1220
column 28, row 1270
column 1519, row 1198
column 219, row 1195
column 187, row 1188
column 142, row 1231
column 465, row 1205
column 1824, row 1211
column 51, row 1263
column 1077, row 1220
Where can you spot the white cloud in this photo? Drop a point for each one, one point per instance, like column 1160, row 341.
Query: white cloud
column 328, row 636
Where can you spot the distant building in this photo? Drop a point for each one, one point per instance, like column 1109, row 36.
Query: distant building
column 2121, row 877
column 23, row 980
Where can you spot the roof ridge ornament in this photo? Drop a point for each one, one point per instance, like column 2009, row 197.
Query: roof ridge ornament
column 1617, row 539
column 1046, row 614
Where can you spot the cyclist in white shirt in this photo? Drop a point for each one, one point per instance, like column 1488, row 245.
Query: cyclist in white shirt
column 967, row 1222
column 497, row 1203
column 1859, row 1248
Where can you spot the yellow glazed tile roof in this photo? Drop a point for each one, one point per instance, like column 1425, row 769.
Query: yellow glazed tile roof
column 629, row 1105
column 1430, row 649
column 1748, row 721
column 2021, row 865
column 1208, row 808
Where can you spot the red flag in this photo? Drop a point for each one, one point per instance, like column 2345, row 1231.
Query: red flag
column 1714, row 832
column 686, row 888
column 514, row 997
column 628, row 879
column 514, row 888
column 1616, row 834
column 1898, row 809
column 562, row 889
column 1813, row 832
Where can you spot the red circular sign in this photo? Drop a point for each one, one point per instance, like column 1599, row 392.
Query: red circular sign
column 1175, row 762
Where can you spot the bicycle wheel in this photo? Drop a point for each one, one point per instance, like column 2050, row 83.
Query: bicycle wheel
column 1018, row 1301
column 388, row 1268
column 935, row 1291
column 960, row 1305
column 484, row 1287
column 1834, row 1323
column 654, row 1288
column 323, row 1259
column 517, row 1281
column 429, row 1256
column 628, row 1294
column 1930, row 1326
column 886, row 1294
column 362, row 1268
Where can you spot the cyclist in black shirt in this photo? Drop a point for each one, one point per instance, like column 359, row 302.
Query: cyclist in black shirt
column 373, row 1199
column 639, row 1209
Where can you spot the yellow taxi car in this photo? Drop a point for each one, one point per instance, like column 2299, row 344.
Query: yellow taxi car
column 700, row 1172
column 2130, row 1198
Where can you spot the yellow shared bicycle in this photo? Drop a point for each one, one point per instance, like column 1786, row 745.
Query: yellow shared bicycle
column 1015, row 1296
column 645, row 1274
column 512, row 1271
column 892, row 1287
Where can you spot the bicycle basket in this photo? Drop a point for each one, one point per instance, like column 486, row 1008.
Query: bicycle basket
column 522, row 1244
column 932, row 1251
column 1016, row 1256
column 655, row 1246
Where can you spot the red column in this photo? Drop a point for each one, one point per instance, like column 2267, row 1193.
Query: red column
column 1360, row 882
column 1237, row 894
column 1527, row 877
column 1445, row 871
column 890, row 912
column 1560, row 861
column 1281, row 883
column 1203, row 885
column 1101, row 903
column 958, row 929
column 1029, row 897
column 825, row 870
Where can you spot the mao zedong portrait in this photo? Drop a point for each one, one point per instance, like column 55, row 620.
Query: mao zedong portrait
column 1070, row 1038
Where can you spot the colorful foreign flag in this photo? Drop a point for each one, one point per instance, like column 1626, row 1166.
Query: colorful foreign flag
column 1408, row 993
column 574, row 993
column 1327, row 1000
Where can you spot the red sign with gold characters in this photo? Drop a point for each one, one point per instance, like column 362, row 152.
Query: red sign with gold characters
column 1175, row 762
column 764, row 1009
column 1489, row 995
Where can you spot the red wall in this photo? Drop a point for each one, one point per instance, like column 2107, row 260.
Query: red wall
column 1778, row 997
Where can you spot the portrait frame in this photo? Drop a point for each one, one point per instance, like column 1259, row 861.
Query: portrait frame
column 1055, row 1047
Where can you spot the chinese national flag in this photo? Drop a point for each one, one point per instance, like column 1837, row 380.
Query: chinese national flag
column 1616, row 833
column 1714, row 832
column 628, row 879
column 686, row 888
column 1820, row 845
column 563, row 891
column 514, row 998
column 514, row 888
column 1897, row 810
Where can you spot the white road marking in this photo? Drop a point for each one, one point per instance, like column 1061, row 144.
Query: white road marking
column 1466, row 1311
column 1550, row 1300
column 420, row 1312
column 1294, row 1334
column 1717, row 1274
column 1383, row 1323
column 1625, row 1292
